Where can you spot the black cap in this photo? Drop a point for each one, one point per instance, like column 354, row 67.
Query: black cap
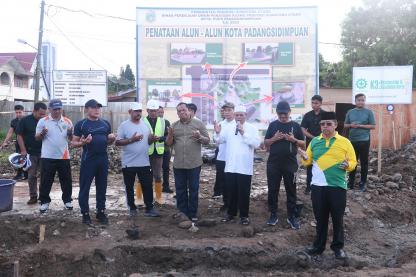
column 92, row 103
column 328, row 116
column 55, row 104
column 283, row 107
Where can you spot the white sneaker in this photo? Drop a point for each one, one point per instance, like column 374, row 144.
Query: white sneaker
column 68, row 206
column 44, row 207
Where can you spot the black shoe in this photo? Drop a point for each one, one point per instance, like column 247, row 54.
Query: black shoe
column 167, row 190
column 294, row 223
column 86, row 219
column 227, row 218
column 244, row 221
column 340, row 254
column 216, row 196
column 151, row 213
column 272, row 220
column 102, row 217
column 362, row 186
column 312, row 251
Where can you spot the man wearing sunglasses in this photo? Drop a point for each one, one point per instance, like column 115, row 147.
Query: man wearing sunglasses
column 134, row 136
column 283, row 137
column 311, row 128
column 361, row 121
column 331, row 156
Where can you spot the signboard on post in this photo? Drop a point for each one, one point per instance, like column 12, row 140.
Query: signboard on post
column 75, row 87
column 384, row 84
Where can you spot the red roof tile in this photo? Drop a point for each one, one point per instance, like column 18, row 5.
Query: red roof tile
column 26, row 59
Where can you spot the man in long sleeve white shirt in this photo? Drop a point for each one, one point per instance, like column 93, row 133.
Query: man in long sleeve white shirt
column 240, row 144
column 228, row 122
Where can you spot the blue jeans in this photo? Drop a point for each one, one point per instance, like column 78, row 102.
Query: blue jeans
column 187, row 190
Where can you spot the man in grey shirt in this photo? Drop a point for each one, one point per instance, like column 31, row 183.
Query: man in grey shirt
column 134, row 136
column 186, row 135
column 361, row 121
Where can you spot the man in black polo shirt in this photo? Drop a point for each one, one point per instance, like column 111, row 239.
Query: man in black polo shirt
column 20, row 113
column 311, row 128
column 283, row 137
column 26, row 131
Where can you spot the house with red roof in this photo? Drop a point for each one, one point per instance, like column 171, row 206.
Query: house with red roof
column 16, row 76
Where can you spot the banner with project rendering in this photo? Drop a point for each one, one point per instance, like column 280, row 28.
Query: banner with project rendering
column 254, row 56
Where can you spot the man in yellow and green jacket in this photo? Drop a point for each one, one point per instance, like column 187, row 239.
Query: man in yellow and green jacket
column 331, row 157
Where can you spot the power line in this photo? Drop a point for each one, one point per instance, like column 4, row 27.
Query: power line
column 50, row 31
column 90, row 14
column 332, row 43
column 76, row 47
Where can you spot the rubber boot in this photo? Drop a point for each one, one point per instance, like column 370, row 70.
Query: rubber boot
column 158, row 192
column 139, row 192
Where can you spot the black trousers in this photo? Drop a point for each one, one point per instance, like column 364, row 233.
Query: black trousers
column 165, row 167
column 274, row 177
column 308, row 177
column 238, row 188
column 144, row 174
column 220, row 180
column 329, row 200
column 362, row 149
column 47, row 176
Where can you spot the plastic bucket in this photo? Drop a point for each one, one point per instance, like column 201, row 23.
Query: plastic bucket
column 6, row 194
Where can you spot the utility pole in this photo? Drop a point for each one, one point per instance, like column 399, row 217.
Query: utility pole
column 39, row 55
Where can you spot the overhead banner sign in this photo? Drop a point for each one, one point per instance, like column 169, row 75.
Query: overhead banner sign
column 384, row 84
column 249, row 56
column 75, row 87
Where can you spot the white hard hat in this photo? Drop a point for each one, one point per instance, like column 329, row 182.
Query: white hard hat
column 152, row 104
column 20, row 161
column 136, row 106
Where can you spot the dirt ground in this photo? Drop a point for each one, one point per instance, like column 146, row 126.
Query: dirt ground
column 379, row 227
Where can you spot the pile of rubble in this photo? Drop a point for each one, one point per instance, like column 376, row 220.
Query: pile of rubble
column 398, row 170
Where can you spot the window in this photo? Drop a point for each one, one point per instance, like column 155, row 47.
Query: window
column 20, row 82
column 4, row 79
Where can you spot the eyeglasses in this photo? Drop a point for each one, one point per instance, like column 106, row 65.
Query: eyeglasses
column 325, row 123
column 139, row 111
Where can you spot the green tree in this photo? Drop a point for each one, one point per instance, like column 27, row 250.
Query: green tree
column 335, row 75
column 128, row 74
column 382, row 32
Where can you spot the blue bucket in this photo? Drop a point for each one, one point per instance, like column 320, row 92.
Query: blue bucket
column 6, row 194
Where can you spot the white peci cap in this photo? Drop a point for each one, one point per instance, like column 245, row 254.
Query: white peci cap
column 136, row 106
column 152, row 104
column 240, row 109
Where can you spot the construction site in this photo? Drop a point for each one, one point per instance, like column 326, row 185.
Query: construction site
column 379, row 228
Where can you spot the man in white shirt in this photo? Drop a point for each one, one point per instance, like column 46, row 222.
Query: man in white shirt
column 54, row 131
column 228, row 122
column 240, row 144
column 134, row 136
